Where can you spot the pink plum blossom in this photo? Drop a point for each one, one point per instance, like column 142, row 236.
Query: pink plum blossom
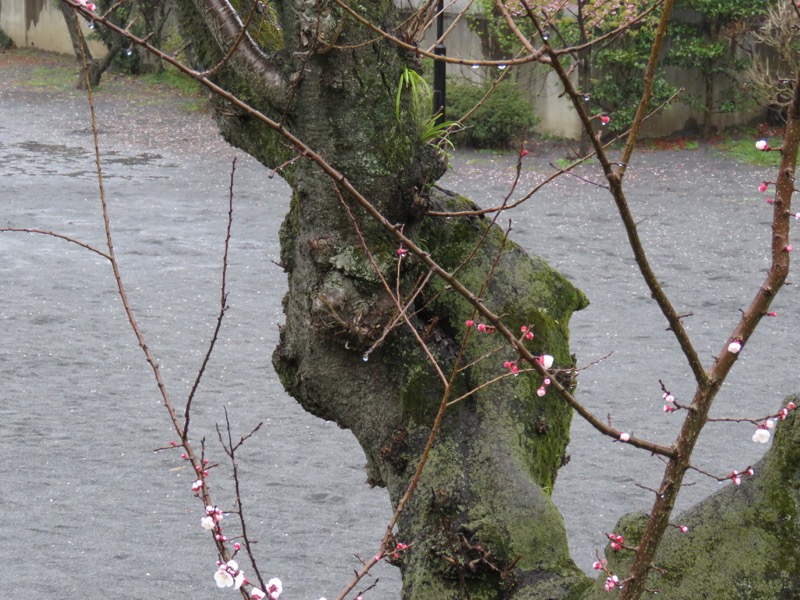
column 762, row 145
column 734, row 347
column 257, row 594
column 624, row 436
column 762, row 187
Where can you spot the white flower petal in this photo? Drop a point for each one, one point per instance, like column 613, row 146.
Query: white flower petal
column 223, row 579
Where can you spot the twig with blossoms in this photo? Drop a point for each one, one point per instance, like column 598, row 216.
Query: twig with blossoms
column 780, row 415
column 670, row 404
column 200, row 465
column 734, row 476
column 230, row 449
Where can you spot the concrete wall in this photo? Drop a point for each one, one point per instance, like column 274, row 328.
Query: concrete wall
column 40, row 24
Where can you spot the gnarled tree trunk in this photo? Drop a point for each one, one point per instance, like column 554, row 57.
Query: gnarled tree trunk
column 482, row 519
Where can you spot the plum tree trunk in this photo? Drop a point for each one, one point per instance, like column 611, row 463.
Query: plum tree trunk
column 481, row 524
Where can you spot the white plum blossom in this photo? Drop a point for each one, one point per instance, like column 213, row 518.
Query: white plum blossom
column 761, row 436
column 223, row 579
column 546, row 361
column 762, row 145
column 274, row 588
column 207, row 523
column 257, row 594
column 734, row 347
column 228, row 574
column 624, row 436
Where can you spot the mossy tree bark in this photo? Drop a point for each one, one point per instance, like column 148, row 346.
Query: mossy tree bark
column 482, row 519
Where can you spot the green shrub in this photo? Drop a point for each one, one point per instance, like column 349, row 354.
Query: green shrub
column 497, row 123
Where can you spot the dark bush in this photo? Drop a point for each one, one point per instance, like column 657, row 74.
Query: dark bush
column 497, row 123
column 5, row 41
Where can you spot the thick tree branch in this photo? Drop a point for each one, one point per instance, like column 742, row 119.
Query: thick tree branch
column 225, row 26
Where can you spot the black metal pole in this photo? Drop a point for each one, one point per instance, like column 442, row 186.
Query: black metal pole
column 439, row 69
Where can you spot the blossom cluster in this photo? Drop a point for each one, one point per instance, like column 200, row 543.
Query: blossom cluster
column 669, row 403
column 612, row 581
column 212, row 518
column 762, row 434
column 481, row 327
column 230, row 575
column 736, row 477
